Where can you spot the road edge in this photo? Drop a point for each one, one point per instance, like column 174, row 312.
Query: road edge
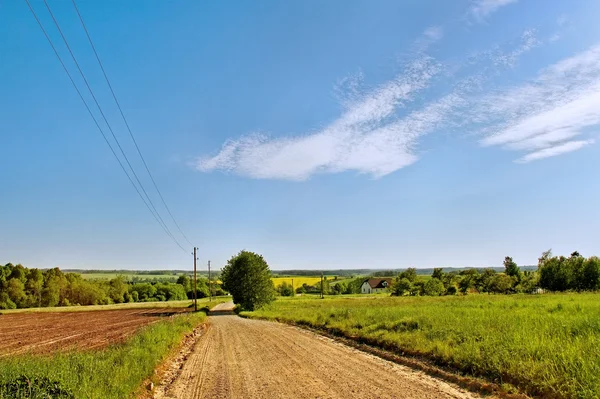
column 469, row 382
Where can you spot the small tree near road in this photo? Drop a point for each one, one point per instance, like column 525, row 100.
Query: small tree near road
column 248, row 279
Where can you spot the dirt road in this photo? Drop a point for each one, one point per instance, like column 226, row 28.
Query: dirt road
column 241, row 358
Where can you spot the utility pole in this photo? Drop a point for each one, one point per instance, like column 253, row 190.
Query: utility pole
column 321, row 285
column 195, row 290
column 209, row 284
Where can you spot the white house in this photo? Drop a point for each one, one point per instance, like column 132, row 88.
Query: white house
column 376, row 285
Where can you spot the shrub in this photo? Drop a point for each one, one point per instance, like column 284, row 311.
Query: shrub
column 433, row 287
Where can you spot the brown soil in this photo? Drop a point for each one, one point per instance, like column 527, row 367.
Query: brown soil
column 242, row 358
column 41, row 333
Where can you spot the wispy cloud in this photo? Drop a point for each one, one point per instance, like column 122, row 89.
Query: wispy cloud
column 379, row 129
column 557, row 105
column 562, row 20
column 529, row 41
column 481, row 9
column 366, row 137
column 564, row 148
column 431, row 35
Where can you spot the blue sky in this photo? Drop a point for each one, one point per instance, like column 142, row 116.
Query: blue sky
column 338, row 134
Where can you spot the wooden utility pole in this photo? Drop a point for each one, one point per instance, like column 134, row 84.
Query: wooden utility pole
column 321, row 285
column 195, row 290
column 209, row 284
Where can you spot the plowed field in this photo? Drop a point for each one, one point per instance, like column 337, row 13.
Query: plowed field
column 41, row 333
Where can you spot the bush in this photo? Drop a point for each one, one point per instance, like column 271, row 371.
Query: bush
column 433, row 287
column 402, row 286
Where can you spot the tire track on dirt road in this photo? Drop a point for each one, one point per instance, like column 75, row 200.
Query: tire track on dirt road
column 242, row 358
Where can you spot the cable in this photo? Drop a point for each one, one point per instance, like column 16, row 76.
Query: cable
column 95, row 121
column 125, row 120
column 108, row 124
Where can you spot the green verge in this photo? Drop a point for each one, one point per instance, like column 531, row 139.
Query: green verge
column 545, row 345
column 113, row 372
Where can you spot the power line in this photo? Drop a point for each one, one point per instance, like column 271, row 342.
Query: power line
column 126, row 123
column 106, row 120
column 109, row 126
column 96, row 122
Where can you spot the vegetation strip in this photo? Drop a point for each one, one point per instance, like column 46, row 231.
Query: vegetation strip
column 545, row 345
column 114, row 372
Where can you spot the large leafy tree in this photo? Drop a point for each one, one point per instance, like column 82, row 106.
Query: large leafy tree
column 511, row 268
column 248, row 278
column 410, row 274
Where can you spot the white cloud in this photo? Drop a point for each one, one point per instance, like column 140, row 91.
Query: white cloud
column 554, row 37
column 480, row 9
column 429, row 36
column 564, row 148
column 379, row 129
column 365, row 138
column 434, row 33
column 529, row 41
column 559, row 104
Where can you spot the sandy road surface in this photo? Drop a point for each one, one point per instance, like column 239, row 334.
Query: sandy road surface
column 51, row 332
column 241, row 358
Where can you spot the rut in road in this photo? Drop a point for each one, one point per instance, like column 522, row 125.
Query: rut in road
column 242, row 358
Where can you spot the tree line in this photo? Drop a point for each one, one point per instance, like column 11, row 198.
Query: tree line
column 554, row 273
column 22, row 287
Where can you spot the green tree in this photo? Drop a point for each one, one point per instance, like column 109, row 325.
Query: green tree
column 186, row 283
column 468, row 280
column 146, row 291
column 248, row 278
column 502, row 284
column 511, row 268
column 117, row 289
column 402, row 286
column 438, row 273
column 55, row 285
column 34, row 287
column 485, row 280
column 410, row 274
column 591, row 273
column 285, row 289
column 16, row 292
column 433, row 287
column 170, row 291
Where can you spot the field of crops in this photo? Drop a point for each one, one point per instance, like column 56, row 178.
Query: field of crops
column 546, row 345
column 297, row 281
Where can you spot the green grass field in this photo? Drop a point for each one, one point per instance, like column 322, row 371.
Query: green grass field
column 545, row 345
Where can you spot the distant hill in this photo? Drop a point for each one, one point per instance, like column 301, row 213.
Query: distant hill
column 382, row 272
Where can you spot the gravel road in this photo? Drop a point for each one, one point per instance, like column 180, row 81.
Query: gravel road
column 241, row 358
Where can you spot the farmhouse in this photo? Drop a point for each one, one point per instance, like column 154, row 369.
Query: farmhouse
column 376, row 285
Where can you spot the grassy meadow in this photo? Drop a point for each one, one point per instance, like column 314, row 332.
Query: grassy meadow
column 545, row 345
